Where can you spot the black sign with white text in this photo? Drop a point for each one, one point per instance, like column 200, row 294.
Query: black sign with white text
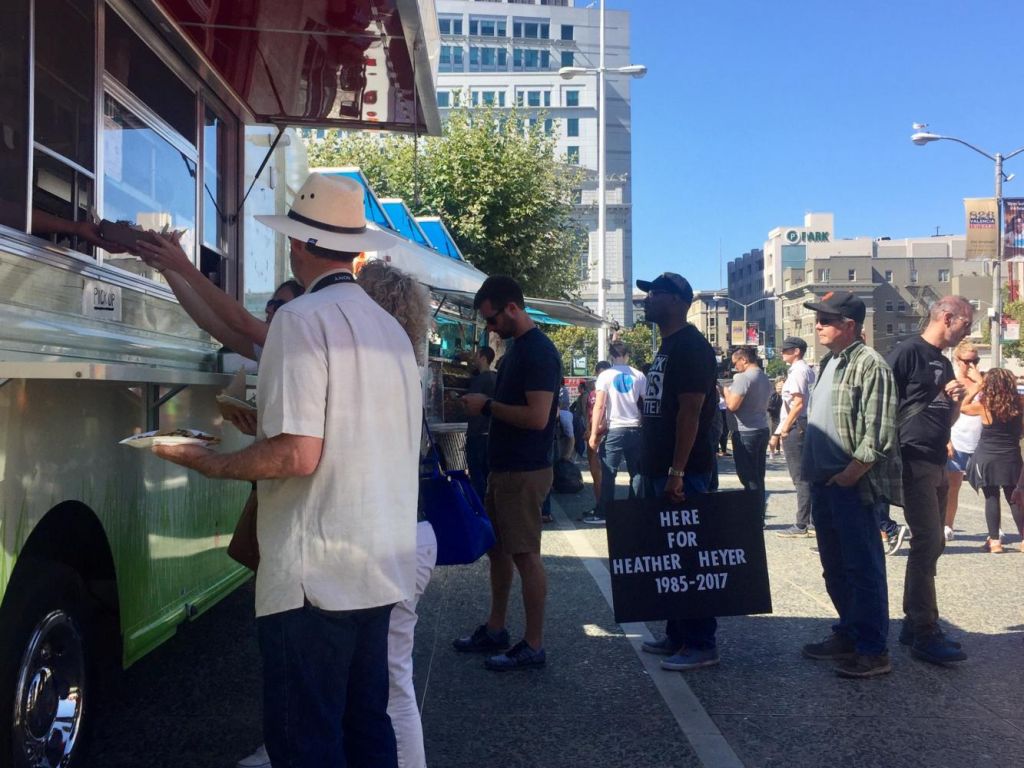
column 703, row 557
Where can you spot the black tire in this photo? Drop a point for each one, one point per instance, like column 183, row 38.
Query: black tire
column 47, row 658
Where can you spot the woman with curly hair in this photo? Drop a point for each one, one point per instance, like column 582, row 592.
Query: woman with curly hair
column 997, row 461
column 402, row 297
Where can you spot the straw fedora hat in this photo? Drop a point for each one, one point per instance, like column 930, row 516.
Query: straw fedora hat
column 328, row 211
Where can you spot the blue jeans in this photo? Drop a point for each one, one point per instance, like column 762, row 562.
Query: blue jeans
column 325, row 688
column 476, row 463
column 750, row 450
column 853, row 565
column 619, row 445
column 698, row 634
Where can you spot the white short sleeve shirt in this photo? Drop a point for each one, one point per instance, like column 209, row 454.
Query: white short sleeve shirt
column 623, row 386
column 338, row 367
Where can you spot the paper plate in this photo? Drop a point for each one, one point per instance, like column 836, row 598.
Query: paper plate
column 171, row 437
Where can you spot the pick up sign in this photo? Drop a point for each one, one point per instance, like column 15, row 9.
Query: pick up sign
column 704, row 557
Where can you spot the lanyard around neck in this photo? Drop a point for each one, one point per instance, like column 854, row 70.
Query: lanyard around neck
column 332, row 279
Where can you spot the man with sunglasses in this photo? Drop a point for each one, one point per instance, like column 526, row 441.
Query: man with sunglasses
column 851, row 459
column 523, row 412
column 929, row 396
column 680, row 404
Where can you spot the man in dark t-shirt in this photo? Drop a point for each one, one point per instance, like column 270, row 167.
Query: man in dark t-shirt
column 929, row 397
column 679, row 406
column 523, row 413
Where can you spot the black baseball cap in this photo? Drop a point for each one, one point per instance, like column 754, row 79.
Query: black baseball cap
column 794, row 342
column 842, row 303
column 671, row 282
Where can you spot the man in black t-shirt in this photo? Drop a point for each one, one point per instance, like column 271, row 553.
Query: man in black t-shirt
column 928, row 403
column 679, row 406
column 523, row 413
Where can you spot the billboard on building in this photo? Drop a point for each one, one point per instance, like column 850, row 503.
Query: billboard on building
column 982, row 216
column 737, row 333
column 1013, row 227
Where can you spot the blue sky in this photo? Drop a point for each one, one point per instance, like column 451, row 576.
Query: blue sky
column 753, row 113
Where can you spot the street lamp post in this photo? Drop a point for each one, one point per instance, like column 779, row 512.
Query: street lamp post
column 719, row 296
column 922, row 137
column 567, row 73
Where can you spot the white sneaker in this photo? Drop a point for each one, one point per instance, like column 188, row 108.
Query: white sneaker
column 948, row 532
column 258, row 759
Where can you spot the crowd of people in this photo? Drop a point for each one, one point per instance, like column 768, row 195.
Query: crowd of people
column 859, row 435
column 344, row 556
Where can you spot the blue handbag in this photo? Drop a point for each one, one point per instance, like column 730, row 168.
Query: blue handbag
column 451, row 506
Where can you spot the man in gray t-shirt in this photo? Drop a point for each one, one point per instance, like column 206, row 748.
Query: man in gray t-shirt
column 747, row 398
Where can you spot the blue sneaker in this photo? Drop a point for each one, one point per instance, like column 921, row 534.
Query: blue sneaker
column 519, row 656
column 691, row 658
column 481, row 640
column 663, row 647
column 907, row 635
column 936, row 649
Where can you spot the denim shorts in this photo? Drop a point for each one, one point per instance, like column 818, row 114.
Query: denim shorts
column 959, row 461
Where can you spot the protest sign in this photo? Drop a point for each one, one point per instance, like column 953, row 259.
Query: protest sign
column 704, row 557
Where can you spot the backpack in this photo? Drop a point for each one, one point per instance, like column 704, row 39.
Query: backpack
column 567, row 477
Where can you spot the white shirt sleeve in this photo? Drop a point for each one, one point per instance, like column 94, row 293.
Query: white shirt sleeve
column 292, row 390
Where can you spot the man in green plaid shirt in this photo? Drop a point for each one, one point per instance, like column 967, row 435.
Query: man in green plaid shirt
column 851, row 459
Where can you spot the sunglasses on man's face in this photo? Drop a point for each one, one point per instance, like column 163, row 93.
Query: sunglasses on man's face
column 975, row 361
column 492, row 319
column 274, row 304
column 829, row 319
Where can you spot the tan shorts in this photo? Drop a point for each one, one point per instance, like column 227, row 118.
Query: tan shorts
column 513, row 502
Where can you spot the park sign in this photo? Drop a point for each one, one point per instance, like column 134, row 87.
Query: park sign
column 795, row 236
column 703, row 557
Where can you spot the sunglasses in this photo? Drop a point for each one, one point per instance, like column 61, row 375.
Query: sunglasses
column 829, row 319
column 274, row 304
column 491, row 319
column 975, row 361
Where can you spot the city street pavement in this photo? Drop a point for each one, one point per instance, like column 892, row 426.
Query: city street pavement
column 600, row 702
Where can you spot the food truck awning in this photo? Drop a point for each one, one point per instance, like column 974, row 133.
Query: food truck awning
column 542, row 310
column 325, row 63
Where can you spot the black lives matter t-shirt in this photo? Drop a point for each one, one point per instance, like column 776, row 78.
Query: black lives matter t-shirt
column 532, row 365
column 926, row 412
column 685, row 363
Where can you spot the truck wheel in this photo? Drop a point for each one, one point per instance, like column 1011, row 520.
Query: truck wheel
column 46, row 664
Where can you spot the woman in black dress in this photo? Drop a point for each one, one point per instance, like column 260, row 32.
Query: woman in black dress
column 997, row 461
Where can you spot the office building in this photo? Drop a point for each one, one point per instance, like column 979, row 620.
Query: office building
column 507, row 54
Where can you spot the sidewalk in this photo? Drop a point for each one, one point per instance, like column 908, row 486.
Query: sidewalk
column 601, row 703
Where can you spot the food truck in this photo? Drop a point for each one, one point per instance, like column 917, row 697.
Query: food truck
column 118, row 116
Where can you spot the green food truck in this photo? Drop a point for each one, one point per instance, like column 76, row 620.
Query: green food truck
column 118, row 117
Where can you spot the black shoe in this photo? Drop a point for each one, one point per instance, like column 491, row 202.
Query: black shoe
column 861, row 666
column 832, row 648
column 482, row 640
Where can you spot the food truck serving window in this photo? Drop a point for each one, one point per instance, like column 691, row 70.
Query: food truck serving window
column 121, row 129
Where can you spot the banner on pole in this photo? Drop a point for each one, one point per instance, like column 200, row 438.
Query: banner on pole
column 753, row 338
column 982, row 216
column 1013, row 227
column 704, row 557
column 737, row 333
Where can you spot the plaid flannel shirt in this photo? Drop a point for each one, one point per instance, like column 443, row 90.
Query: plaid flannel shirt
column 865, row 403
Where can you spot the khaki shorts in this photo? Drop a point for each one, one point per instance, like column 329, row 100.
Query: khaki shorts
column 513, row 502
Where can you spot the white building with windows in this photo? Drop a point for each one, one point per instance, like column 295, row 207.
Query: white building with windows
column 508, row 53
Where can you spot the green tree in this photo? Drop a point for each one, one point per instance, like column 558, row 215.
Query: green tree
column 505, row 196
column 638, row 339
column 572, row 341
column 775, row 367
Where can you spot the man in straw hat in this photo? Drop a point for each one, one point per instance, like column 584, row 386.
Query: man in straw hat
column 337, row 487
